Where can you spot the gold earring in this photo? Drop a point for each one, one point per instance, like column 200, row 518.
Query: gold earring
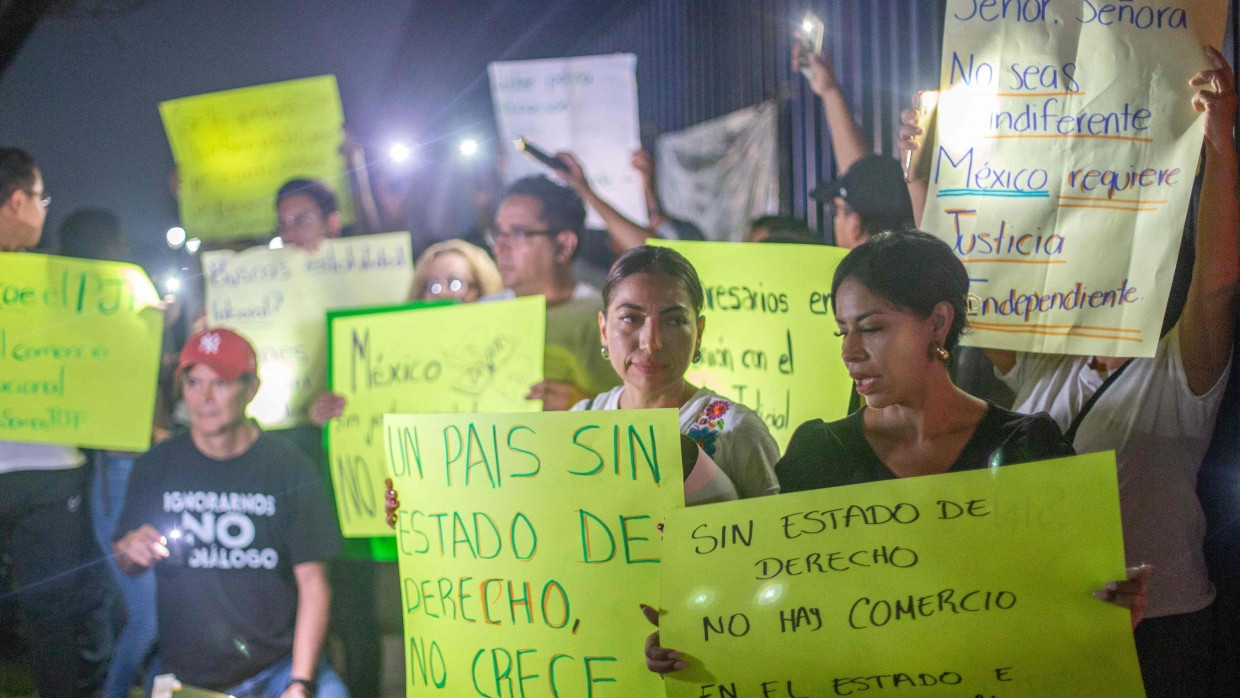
column 937, row 351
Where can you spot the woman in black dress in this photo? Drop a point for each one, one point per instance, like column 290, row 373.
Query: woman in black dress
column 900, row 301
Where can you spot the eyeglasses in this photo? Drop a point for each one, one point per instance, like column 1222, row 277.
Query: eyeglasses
column 43, row 198
column 517, row 236
column 447, row 287
column 298, row 221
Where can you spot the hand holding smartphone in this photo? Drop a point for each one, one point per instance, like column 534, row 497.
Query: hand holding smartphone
column 538, row 154
column 810, row 35
column 916, row 162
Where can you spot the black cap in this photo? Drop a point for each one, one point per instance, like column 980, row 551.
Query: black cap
column 874, row 187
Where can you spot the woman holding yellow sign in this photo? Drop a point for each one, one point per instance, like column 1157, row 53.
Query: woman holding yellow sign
column 900, row 303
column 651, row 331
column 448, row 270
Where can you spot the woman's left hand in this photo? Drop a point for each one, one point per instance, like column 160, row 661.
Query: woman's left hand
column 391, row 502
column 1129, row 593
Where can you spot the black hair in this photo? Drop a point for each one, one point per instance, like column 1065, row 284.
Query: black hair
column 324, row 197
column 872, row 225
column 911, row 270
column 91, row 233
column 648, row 259
column 786, row 229
column 16, row 171
column 562, row 209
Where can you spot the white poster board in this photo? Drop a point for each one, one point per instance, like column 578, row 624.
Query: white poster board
column 278, row 299
column 1066, row 149
column 585, row 105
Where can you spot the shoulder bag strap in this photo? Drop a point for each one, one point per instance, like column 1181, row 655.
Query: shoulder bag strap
column 1070, row 435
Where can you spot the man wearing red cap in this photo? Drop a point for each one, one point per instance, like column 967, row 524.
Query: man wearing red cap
column 237, row 527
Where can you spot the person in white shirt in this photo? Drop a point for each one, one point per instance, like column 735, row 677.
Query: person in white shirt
column 651, row 331
column 1158, row 415
column 44, row 521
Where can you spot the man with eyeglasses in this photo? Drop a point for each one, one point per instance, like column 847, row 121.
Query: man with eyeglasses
column 25, row 201
column 537, row 230
column 43, row 516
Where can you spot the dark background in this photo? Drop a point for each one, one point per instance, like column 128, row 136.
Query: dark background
column 81, row 92
column 80, row 81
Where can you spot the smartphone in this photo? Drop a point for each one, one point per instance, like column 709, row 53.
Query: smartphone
column 811, row 32
column 538, row 154
column 178, row 547
column 916, row 163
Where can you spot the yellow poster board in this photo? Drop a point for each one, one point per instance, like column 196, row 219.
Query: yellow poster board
column 1065, row 155
column 278, row 299
column 526, row 543
column 79, row 352
column 233, row 150
column 770, row 341
column 976, row 583
column 417, row 359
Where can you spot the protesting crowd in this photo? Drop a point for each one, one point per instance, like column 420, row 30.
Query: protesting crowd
column 217, row 555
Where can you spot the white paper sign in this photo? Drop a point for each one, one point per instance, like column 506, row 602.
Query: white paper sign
column 585, row 105
column 278, row 299
column 1066, row 150
column 723, row 173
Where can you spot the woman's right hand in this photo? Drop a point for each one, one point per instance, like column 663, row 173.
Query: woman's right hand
column 326, row 407
column 391, row 502
column 659, row 659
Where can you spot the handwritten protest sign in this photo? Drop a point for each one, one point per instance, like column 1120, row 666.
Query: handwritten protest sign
column 79, row 352
column 585, row 105
column 770, row 339
column 459, row 358
column 526, row 542
column 971, row 583
column 234, row 149
column 279, row 299
column 1066, row 149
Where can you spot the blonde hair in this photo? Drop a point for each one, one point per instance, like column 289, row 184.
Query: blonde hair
column 479, row 261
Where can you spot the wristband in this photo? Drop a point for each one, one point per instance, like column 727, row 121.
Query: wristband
column 311, row 686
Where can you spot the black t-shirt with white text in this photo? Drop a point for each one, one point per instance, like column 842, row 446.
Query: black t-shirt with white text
column 227, row 597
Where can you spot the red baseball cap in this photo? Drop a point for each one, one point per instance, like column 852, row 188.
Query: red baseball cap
column 224, row 351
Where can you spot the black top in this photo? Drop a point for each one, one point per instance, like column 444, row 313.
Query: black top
column 227, row 598
column 828, row 455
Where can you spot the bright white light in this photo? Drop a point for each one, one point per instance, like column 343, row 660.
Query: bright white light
column 769, row 593
column 807, row 26
column 192, row 245
column 172, row 283
column 277, row 243
column 469, row 147
column 175, row 237
column 174, row 534
column 399, row 152
column 701, row 598
column 271, row 403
